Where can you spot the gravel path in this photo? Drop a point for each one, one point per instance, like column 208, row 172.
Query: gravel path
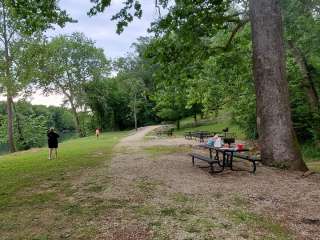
column 151, row 183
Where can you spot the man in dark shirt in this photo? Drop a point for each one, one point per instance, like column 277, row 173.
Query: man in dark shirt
column 52, row 142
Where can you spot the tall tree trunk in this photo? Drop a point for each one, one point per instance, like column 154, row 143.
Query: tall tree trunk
column 135, row 112
column 9, row 83
column 178, row 124
column 195, row 119
column 279, row 145
column 113, row 120
column 76, row 118
column 11, row 143
column 19, row 127
column 74, row 111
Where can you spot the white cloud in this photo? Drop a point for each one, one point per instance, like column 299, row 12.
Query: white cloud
column 101, row 29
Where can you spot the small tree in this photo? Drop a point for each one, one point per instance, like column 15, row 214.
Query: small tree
column 130, row 75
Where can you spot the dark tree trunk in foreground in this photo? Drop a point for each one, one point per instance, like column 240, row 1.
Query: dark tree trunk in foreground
column 279, row 145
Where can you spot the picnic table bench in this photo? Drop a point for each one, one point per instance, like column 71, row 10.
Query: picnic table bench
column 251, row 158
column 209, row 160
column 166, row 131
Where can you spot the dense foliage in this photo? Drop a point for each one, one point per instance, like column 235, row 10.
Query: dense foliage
column 32, row 123
column 206, row 59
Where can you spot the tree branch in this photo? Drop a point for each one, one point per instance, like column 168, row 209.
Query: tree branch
column 158, row 7
column 239, row 26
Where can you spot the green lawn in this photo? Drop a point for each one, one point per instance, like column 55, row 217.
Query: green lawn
column 212, row 124
column 36, row 193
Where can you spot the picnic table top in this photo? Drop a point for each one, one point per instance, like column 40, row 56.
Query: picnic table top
column 223, row 149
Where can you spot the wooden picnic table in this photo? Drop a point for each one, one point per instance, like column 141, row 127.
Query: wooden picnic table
column 165, row 130
column 202, row 135
column 227, row 154
column 227, row 157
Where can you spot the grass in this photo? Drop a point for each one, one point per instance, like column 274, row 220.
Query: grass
column 256, row 225
column 311, row 155
column 310, row 152
column 39, row 196
column 213, row 123
column 314, row 166
column 164, row 150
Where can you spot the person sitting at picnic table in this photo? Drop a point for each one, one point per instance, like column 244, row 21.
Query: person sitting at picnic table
column 215, row 141
column 52, row 142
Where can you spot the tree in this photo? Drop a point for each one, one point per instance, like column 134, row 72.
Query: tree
column 17, row 21
column 280, row 146
column 302, row 37
column 130, row 75
column 70, row 62
column 125, row 100
column 109, row 102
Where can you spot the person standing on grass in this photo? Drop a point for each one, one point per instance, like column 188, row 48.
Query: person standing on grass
column 97, row 133
column 52, row 142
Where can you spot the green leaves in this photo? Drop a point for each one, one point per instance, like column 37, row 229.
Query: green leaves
column 131, row 9
column 32, row 16
column 71, row 61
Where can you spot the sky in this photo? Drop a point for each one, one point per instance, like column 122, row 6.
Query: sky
column 102, row 30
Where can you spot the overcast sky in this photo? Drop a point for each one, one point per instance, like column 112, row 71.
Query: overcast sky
column 102, row 30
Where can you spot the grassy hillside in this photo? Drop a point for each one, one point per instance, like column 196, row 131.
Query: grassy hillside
column 212, row 124
column 40, row 189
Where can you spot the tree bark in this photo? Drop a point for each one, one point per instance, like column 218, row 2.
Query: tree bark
column 19, row 128
column 11, row 143
column 178, row 124
column 195, row 119
column 76, row 119
column 135, row 113
column 279, row 145
column 74, row 111
column 9, row 83
column 307, row 81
